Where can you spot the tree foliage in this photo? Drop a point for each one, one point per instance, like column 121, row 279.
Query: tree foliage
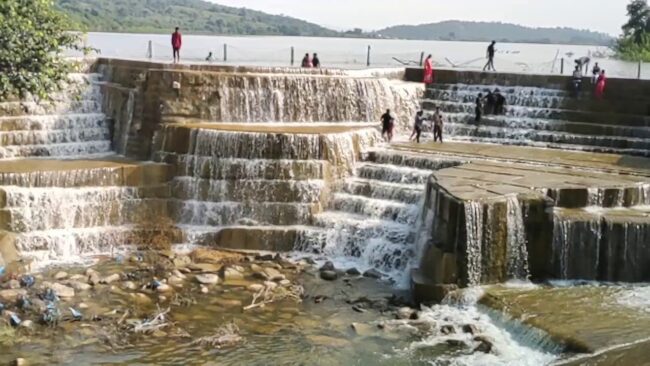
column 634, row 44
column 32, row 35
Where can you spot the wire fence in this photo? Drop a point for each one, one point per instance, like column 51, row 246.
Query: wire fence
column 358, row 53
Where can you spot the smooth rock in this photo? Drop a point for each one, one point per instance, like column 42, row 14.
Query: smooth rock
column 273, row 274
column 373, row 273
column 485, row 344
column 204, row 267
column 78, row 277
column 256, row 287
column 179, row 274
column 207, row 279
column 470, row 328
column 110, row 279
column 60, row 276
column 447, row 329
column 129, row 285
column 329, row 275
column 456, row 343
column 20, row 362
column 174, row 280
column 204, row 290
column 182, row 261
column 270, row 285
column 231, row 273
column 62, row 290
column 353, row 272
column 359, row 309
column 79, row 286
column 164, row 288
column 27, row 324
column 228, row 303
column 328, row 266
column 363, row 329
column 404, row 313
column 284, row 283
column 11, row 295
column 13, row 284
column 83, row 306
column 141, row 298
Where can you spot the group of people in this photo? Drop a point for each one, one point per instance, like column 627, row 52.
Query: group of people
column 388, row 126
column 310, row 61
column 598, row 79
column 492, row 103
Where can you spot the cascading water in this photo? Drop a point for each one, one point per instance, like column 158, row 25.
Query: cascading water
column 517, row 246
column 474, row 227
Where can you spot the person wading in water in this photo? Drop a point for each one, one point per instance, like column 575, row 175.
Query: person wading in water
column 315, row 62
column 177, row 42
column 437, row 125
column 386, row 126
column 489, row 66
column 418, row 126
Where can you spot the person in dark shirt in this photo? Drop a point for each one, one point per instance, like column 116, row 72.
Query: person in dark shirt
column 478, row 110
column 437, row 126
column 490, row 102
column 499, row 102
column 315, row 62
column 577, row 81
column 386, row 121
column 595, row 72
column 490, row 56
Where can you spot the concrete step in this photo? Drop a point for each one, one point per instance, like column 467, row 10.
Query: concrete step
column 53, row 122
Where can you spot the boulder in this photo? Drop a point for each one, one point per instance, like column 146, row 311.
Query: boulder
column 363, row 329
column 61, row 276
column 353, row 272
column 328, row 266
column 470, row 328
column 273, row 274
column 79, row 286
column 13, row 284
column 447, row 329
column 174, row 280
column 163, row 287
column 204, row 267
column 8, row 252
column 329, row 275
column 62, row 291
column 11, row 295
column 207, row 279
column 404, row 313
column 129, row 285
column 232, row 274
column 373, row 273
column 182, row 261
column 485, row 344
column 110, row 279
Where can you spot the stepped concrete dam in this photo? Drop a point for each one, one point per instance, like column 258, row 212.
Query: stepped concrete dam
column 523, row 239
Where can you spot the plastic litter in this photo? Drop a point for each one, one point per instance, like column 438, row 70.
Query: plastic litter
column 76, row 315
column 51, row 314
column 154, row 284
column 49, row 295
column 24, row 303
column 27, row 281
column 14, row 320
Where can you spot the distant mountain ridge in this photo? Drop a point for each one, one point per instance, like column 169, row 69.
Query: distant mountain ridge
column 192, row 16
column 455, row 30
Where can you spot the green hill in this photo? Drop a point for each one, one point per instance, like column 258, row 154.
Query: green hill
column 193, row 16
column 486, row 31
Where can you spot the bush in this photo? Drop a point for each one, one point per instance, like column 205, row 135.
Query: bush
column 32, row 36
column 630, row 50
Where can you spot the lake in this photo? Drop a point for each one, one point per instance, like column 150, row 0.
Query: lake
column 353, row 53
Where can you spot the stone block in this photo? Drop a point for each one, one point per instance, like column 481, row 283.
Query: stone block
column 424, row 290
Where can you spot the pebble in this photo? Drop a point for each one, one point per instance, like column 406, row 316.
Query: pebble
column 284, row 283
column 231, row 273
column 83, row 306
column 208, row 279
column 13, row 284
column 178, row 274
column 173, row 280
column 62, row 290
column 329, row 275
column 60, row 276
column 27, row 324
column 204, row 290
column 359, row 309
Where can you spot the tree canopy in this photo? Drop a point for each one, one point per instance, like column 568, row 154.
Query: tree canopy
column 634, row 44
column 32, row 35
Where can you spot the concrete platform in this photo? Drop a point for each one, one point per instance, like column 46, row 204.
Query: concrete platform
column 285, row 128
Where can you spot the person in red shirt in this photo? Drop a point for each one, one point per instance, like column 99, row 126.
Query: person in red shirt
column 176, row 45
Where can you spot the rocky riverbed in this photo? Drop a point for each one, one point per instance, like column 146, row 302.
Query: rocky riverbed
column 160, row 307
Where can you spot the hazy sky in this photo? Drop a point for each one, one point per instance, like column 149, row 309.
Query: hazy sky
column 601, row 15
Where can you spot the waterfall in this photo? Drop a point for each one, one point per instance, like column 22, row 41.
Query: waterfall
column 474, row 227
column 125, row 128
column 576, row 244
column 517, row 245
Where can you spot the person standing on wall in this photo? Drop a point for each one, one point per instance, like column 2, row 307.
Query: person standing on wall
column 600, row 86
column 177, row 42
column 595, row 73
column 489, row 66
column 428, row 70
column 577, row 81
column 306, row 61
column 315, row 62
column 437, row 125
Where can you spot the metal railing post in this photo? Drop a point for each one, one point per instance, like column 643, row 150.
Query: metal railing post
column 368, row 57
column 225, row 52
